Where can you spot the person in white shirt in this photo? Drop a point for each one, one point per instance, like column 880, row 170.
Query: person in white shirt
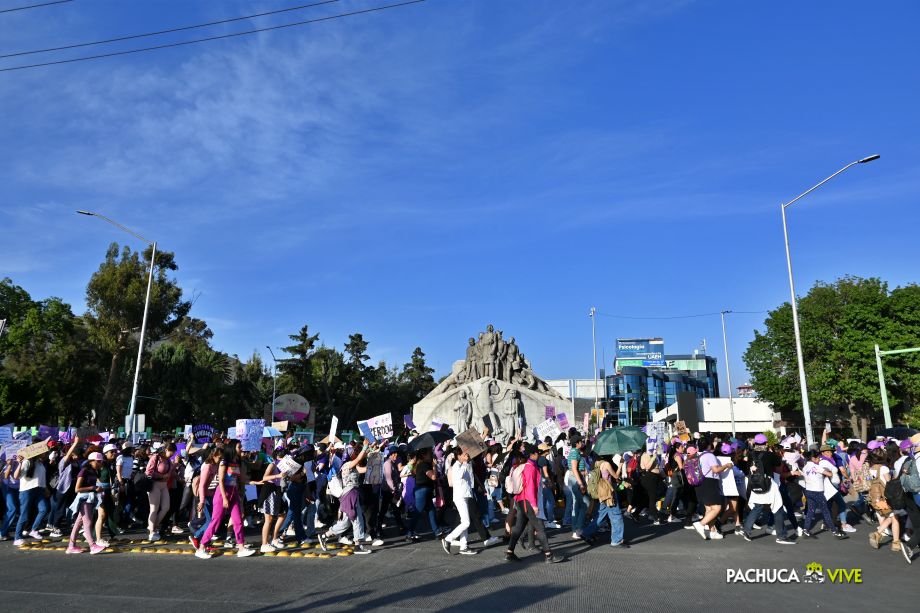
column 816, row 471
column 462, row 480
column 32, row 495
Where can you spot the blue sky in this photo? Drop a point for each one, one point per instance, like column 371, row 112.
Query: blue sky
column 418, row 173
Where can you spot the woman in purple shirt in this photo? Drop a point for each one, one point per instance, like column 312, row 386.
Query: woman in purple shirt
column 87, row 490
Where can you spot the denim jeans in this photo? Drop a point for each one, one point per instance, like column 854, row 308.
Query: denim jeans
column 614, row 515
column 569, row 505
column 423, row 504
column 59, row 508
column 206, row 511
column 549, row 503
column 28, row 499
column 779, row 519
column 492, row 496
column 11, row 497
column 296, row 511
column 842, row 505
column 579, row 505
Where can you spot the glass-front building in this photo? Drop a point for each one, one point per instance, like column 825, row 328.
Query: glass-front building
column 636, row 393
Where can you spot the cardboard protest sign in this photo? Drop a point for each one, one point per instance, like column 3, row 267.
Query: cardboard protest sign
column 35, row 449
column 203, row 433
column 548, row 428
column 280, row 426
column 47, row 432
column 550, row 411
column 288, row 466
column 471, row 442
column 681, row 427
column 249, row 432
column 377, row 428
column 563, row 421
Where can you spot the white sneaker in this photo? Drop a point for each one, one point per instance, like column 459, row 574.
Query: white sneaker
column 278, row 544
column 770, row 531
column 308, row 541
column 203, row 554
column 154, row 536
column 799, row 531
column 102, row 543
column 551, row 525
column 344, row 540
column 714, row 534
column 701, row 530
column 849, row 528
column 377, row 543
column 368, row 539
column 265, row 549
column 245, row 552
column 290, row 531
column 575, row 536
column 177, row 530
column 492, row 540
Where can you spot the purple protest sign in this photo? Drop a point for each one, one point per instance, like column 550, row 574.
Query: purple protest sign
column 563, row 421
column 407, row 419
column 550, row 411
column 46, row 432
column 202, row 433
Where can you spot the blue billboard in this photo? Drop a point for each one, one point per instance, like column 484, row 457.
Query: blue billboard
column 640, row 348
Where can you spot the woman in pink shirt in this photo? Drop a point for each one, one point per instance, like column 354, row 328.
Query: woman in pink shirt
column 525, row 503
column 161, row 469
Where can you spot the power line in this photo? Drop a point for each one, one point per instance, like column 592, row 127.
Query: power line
column 33, row 6
column 169, row 31
column 677, row 316
column 210, row 38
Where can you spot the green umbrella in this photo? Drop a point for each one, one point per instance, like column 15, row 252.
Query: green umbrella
column 619, row 440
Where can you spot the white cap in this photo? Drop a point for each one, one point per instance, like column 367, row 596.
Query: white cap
column 109, row 447
column 156, row 446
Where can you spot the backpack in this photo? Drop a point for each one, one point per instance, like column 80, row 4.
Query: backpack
column 632, row 468
column 598, row 487
column 693, row 470
column 514, row 482
column 910, row 476
column 861, row 480
column 760, row 481
column 876, row 496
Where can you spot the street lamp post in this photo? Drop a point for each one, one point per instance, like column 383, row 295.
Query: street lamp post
column 728, row 374
column 132, row 412
column 886, row 412
column 274, row 377
column 806, row 409
column 592, row 314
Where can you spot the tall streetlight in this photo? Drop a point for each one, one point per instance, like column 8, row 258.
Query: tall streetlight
column 592, row 314
column 728, row 373
column 274, row 378
column 132, row 412
column 795, row 312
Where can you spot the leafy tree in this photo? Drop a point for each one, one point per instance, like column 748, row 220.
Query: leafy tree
column 417, row 377
column 115, row 296
column 298, row 370
column 840, row 324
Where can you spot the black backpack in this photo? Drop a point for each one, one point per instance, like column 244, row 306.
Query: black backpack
column 894, row 494
column 760, row 481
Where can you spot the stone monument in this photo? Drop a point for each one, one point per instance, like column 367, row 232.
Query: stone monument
column 495, row 387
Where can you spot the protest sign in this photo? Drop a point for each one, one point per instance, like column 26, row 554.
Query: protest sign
column 47, row 432
column 35, row 449
column 550, row 411
column 333, row 427
column 249, row 432
column 729, row 486
column 407, row 419
column 304, row 435
column 563, row 421
column 287, row 465
column 437, row 422
column 231, row 432
column 347, row 435
column 280, row 426
column 587, row 418
column 377, row 428
column 25, row 435
column 202, row 433
column 471, row 442
column 548, row 428
column 187, row 430
column 6, row 434
column 180, row 447
column 12, row 448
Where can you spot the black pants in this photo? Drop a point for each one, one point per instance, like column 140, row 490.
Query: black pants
column 913, row 512
column 476, row 518
column 526, row 517
column 650, row 483
column 385, row 503
column 370, row 502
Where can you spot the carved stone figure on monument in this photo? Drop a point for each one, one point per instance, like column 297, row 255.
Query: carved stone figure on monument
column 514, row 412
column 501, row 360
column 486, row 403
column 488, row 351
column 471, row 367
column 464, row 411
column 512, row 359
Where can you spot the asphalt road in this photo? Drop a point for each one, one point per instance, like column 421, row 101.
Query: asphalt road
column 666, row 567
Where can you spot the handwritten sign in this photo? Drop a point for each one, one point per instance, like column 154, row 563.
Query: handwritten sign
column 288, row 466
column 13, row 448
column 471, row 442
column 35, row 449
column 563, row 421
column 550, row 411
column 6, row 434
column 548, row 428
column 249, row 432
column 85, row 433
column 280, row 426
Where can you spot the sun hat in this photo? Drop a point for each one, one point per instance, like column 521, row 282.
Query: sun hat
column 915, row 439
column 726, row 449
column 544, row 447
column 906, row 444
column 760, row 439
column 109, row 447
column 826, row 447
column 874, row 445
column 95, row 456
